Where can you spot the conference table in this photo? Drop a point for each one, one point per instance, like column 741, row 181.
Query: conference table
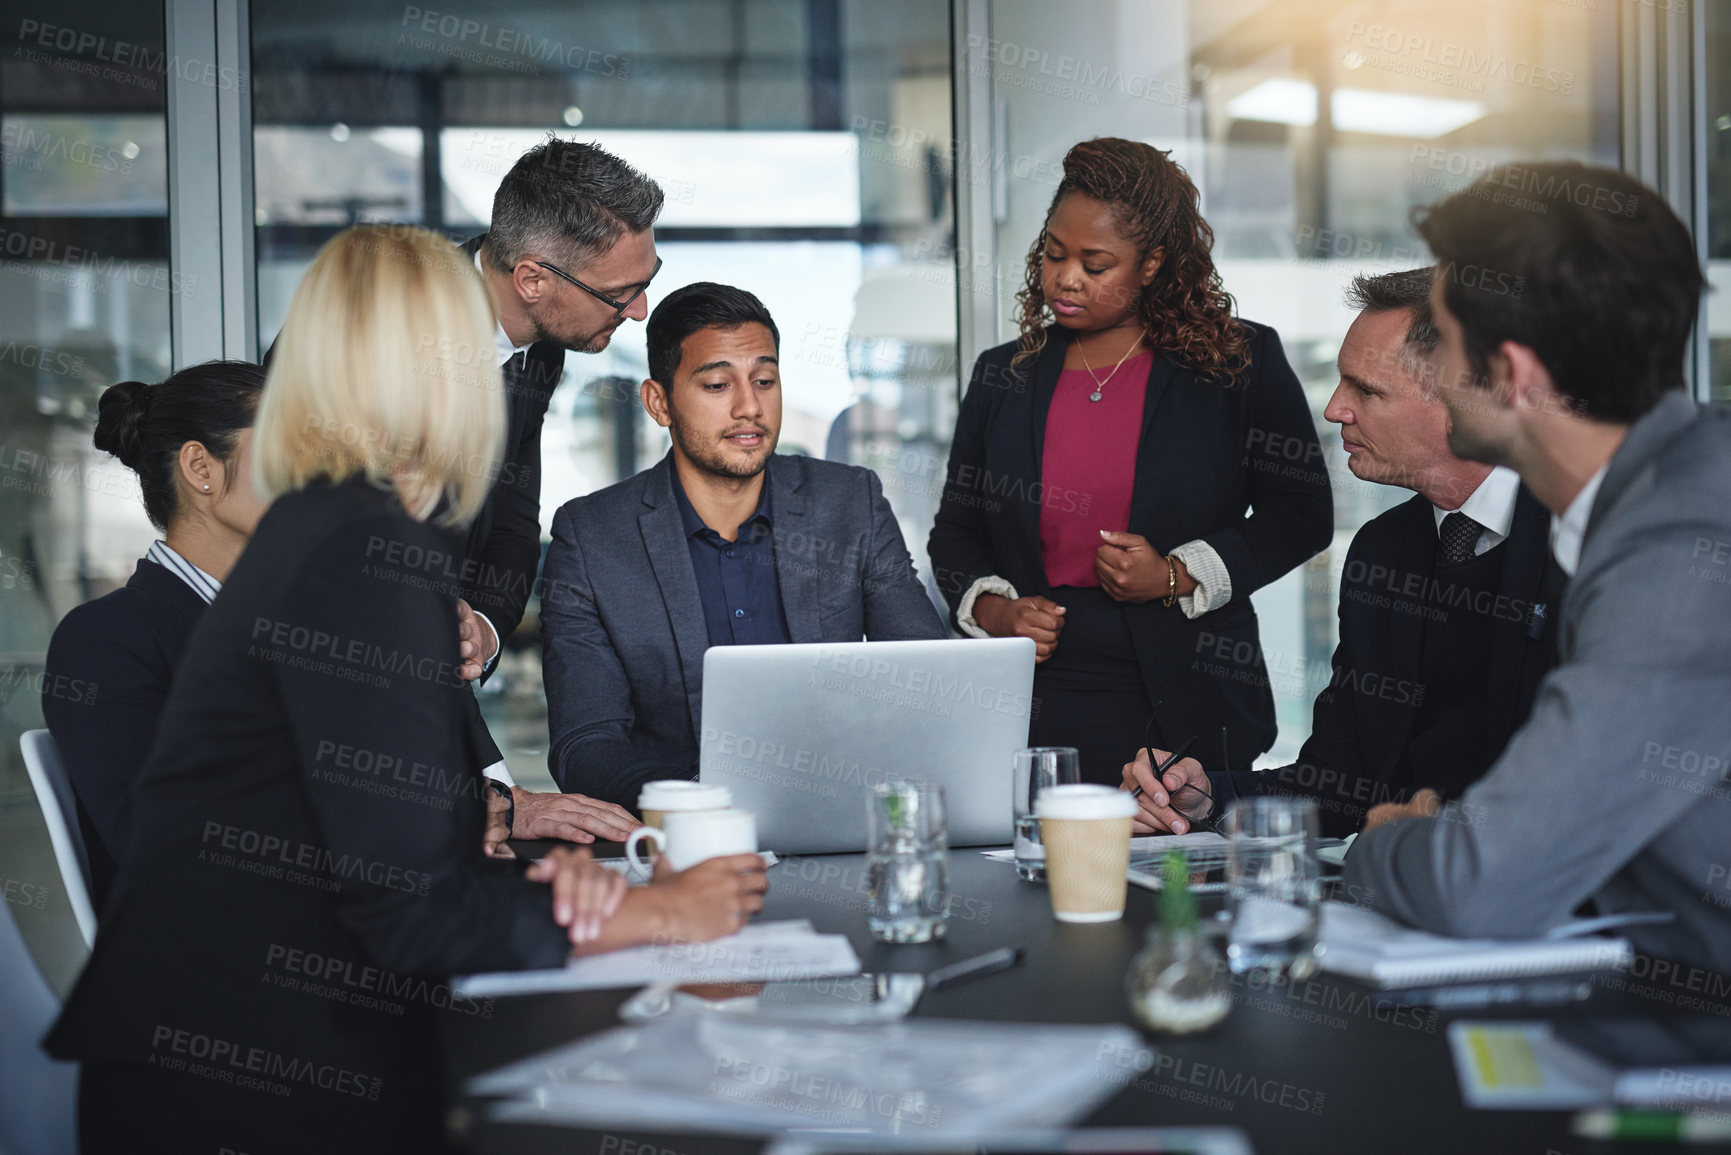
column 1323, row 1065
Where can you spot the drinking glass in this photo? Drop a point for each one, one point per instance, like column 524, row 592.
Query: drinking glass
column 907, row 861
column 1273, row 886
column 1036, row 768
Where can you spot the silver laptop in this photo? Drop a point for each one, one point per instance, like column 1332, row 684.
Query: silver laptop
column 799, row 733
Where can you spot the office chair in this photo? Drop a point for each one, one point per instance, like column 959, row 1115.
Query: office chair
column 38, row 1095
column 60, row 813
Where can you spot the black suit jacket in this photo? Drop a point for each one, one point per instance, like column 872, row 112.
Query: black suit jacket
column 1238, row 467
column 110, row 664
column 504, row 542
column 622, row 619
column 1360, row 750
column 308, row 823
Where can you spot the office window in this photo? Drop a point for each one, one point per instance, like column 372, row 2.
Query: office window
column 84, row 302
column 1716, row 310
column 766, row 123
column 1312, row 128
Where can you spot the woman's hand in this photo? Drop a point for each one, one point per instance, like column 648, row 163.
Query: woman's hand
column 585, row 893
column 1169, row 806
column 1131, row 570
column 711, row 899
column 1038, row 618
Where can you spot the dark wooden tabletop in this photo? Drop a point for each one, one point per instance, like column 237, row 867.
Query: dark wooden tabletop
column 1325, row 1065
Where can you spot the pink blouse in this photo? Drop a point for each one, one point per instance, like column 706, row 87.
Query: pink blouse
column 1088, row 470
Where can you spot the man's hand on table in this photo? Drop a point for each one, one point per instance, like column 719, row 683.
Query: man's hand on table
column 1424, row 804
column 570, row 817
column 1158, row 814
column 585, row 893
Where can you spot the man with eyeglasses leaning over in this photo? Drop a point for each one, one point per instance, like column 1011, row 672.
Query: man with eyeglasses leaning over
column 567, row 259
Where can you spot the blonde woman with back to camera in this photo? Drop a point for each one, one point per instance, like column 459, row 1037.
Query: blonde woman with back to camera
column 269, row 878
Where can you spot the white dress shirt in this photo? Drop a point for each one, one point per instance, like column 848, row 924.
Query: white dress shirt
column 205, row 586
column 1492, row 505
column 1568, row 530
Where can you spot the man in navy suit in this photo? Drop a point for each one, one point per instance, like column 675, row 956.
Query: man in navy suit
column 1447, row 601
column 721, row 543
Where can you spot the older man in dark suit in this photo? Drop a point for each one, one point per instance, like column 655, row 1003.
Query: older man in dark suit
column 1446, row 607
column 567, row 260
column 721, row 543
column 1617, row 790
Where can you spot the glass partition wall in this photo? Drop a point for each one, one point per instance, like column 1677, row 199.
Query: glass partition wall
column 1312, row 128
column 761, row 119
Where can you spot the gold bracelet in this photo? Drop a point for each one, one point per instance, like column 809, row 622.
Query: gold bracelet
column 1171, row 582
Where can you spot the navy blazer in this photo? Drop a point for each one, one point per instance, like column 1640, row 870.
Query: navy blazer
column 622, row 621
column 1359, row 751
column 1238, row 467
column 307, row 823
column 110, row 664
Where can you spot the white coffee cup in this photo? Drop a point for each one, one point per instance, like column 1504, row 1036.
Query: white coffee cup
column 658, row 799
column 1086, row 830
column 688, row 837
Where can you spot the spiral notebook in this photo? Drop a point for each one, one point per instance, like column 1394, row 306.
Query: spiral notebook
column 1364, row 945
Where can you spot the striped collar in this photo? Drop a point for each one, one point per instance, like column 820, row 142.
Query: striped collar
column 202, row 584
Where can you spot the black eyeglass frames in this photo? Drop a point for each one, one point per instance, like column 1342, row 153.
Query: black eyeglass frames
column 617, row 306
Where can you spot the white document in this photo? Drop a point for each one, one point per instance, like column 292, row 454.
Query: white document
column 905, row 1082
column 1365, row 945
column 763, row 952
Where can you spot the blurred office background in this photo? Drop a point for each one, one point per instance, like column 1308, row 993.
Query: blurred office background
column 875, row 170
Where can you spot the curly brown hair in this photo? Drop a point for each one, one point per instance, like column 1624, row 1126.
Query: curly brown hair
column 1185, row 311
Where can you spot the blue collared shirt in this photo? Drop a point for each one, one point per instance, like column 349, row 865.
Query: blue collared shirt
column 736, row 579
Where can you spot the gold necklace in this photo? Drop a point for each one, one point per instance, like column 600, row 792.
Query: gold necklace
column 1101, row 384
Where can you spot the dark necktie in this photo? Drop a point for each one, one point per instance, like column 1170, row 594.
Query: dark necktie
column 1457, row 537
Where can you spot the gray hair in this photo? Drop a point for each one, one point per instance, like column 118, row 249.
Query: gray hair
column 568, row 201
column 1409, row 290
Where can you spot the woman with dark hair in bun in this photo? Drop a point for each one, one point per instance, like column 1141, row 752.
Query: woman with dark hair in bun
column 1127, row 472
column 187, row 439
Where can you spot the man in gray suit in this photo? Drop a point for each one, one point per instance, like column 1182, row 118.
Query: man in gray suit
column 1565, row 296
column 721, row 543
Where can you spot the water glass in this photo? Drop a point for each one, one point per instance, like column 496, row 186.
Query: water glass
column 1273, row 886
column 1034, row 769
column 907, row 861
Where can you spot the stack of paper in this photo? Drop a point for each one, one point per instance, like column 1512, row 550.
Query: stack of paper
column 1684, row 1062
column 764, row 952
column 1364, row 945
column 929, row 1078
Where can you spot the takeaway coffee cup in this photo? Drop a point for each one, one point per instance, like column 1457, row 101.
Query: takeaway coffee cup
column 688, row 837
column 659, row 799
column 1086, row 830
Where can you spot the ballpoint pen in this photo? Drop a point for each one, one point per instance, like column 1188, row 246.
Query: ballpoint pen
column 992, row 961
column 1171, row 761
